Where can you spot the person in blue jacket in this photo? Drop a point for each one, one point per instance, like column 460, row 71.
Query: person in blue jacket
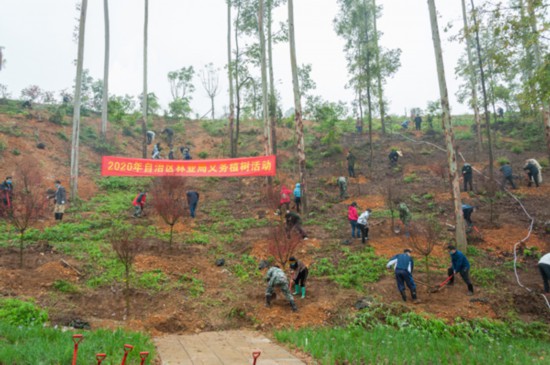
column 404, row 265
column 298, row 196
column 461, row 265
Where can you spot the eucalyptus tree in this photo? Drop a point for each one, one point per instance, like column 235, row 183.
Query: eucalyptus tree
column 299, row 125
column 210, row 80
column 263, row 64
column 105, row 99
column 145, row 94
column 367, row 62
column 460, row 233
column 232, row 144
column 472, row 76
column 76, row 106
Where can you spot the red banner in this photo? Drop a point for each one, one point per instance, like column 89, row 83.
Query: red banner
column 246, row 166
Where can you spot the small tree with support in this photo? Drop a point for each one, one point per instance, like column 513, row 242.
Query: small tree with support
column 28, row 201
column 423, row 239
column 126, row 243
column 169, row 200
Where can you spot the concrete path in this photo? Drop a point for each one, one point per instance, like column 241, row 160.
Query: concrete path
column 221, row 348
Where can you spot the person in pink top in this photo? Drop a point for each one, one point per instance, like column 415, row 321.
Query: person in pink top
column 352, row 217
column 285, row 199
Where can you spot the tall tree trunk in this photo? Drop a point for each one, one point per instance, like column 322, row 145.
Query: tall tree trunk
column 379, row 71
column 538, row 61
column 267, row 125
column 272, row 97
column 460, row 233
column 237, row 82
column 369, row 85
column 76, row 107
column 297, row 107
column 473, row 78
column 484, row 92
column 105, row 101
column 145, row 94
column 527, row 69
column 230, row 77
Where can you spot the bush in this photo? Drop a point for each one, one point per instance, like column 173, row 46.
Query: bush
column 58, row 115
column 410, row 178
column 20, row 313
column 15, row 152
column 203, row 154
column 62, row 136
column 517, row 149
column 64, row 286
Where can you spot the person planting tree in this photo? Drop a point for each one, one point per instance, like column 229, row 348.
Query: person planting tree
column 293, row 221
column 363, row 225
column 139, row 204
column 403, row 265
column 300, row 272
column 461, row 265
column 276, row 278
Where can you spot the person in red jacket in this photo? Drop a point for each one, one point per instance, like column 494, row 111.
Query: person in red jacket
column 352, row 217
column 285, row 199
column 139, row 203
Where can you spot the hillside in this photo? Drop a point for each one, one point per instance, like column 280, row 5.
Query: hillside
column 180, row 289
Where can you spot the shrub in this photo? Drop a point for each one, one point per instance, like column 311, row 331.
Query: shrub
column 21, row 313
column 410, row 178
column 517, row 149
column 64, row 286
column 203, row 154
column 62, row 136
column 58, row 115
column 464, row 135
column 15, row 152
column 153, row 280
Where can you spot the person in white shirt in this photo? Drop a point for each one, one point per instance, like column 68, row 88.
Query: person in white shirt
column 544, row 267
column 363, row 224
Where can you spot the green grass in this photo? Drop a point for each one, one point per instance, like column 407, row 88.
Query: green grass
column 351, row 270
column 391, row 335
column 48, row 346
column 384, row 345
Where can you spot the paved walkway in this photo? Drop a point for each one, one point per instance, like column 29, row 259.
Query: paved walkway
column 221, row 348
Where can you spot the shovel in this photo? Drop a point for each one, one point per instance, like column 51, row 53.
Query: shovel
column 440, row 286
column 255, row 356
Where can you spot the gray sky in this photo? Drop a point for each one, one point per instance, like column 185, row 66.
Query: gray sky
column 39, row 47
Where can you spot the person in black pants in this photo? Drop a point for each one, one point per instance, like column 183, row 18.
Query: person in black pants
column 404, row 265
column 544, row 268
column 467, row 176
column 467, row 211
column 461, row 265
column 300, row 272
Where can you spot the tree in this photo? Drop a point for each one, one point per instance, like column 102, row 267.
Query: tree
column 210, row 79
column 126, row 242
column 31, row 93
column 144, row 100
column 299, row 124
column 460, row 233
column 76, row 106
column 423, row 239
column 105, row 105
column 181, row 87
column 232, row 144
column 28, row 202
column 265, row 103
column 169, row 200
column 472, row 77
column 2, row 59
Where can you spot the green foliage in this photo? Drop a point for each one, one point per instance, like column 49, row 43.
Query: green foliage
column 65, row 286
column 517, row 149
column 214, row 128
column 484, row 276
column 246, row 269
column 114, row 183
column 410, row 178
column 62, row 136
column 57, row 115
column 153, row 280
column 20, row 313
column 502, row 161
column 392, row 335
column 464, row 135
column 203, row 154
column 194, row 286
column 16, row 152
column 332, row 150
column 198, row 238
column 41, row 345
column 351, row 270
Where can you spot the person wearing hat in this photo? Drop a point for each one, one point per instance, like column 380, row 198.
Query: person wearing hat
column 394, row 156
column 461, row 265
column 6, row 189
column 363, row 224
column 403, row 265
column 60, row 198
column 300, row 271
column 352, row 217
column 276, row 278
